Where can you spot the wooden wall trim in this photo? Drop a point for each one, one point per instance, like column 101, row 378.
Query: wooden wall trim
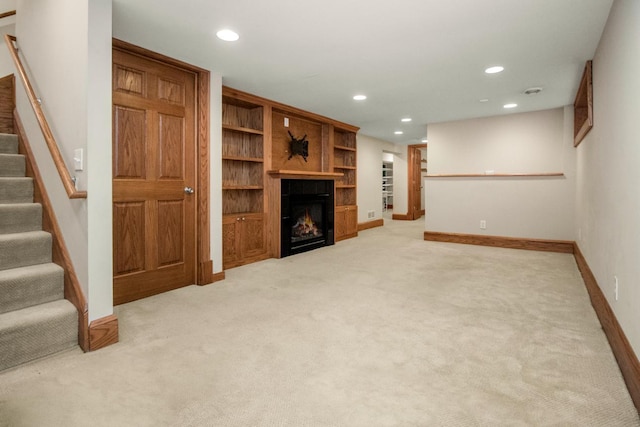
column 562, row 246
column 402, row 217
column 370, row 224
column 58, row 160
column 6, row 14
column 204, row 263
column 60, row 255
column 213, row 277
column 624, row 354
column 103, row 332
column 495, row 175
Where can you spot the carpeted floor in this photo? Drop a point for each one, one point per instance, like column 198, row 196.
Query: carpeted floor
column 382, row 330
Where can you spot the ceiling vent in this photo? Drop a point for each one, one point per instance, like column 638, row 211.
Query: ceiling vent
column 533, row 91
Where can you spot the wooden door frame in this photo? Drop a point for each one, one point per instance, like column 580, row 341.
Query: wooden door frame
column 204, row 272
column 412, row 151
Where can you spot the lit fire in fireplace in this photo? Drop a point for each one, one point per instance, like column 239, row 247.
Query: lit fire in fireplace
column 305, row 227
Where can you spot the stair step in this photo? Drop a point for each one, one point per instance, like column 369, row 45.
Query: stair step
column 8, row 143
column 20, row 217
column 23, row 249
column 32, row 285
column 36, row 332
column 16, row 190
column 12, row 165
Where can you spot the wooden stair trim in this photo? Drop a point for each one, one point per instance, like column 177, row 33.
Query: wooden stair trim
column 7, row 103
column 60, row 255
column 65, row 176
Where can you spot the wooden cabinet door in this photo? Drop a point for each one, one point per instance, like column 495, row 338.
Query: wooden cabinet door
column 154, row 145
column 345, row 222
column 243, row 238
column 340, row 222
column 252, row 237
column 230, row 233
column 352, row 220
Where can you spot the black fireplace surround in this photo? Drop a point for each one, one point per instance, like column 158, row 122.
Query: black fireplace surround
column 306, row 215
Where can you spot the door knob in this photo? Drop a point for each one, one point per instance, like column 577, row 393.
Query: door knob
column 188, row 190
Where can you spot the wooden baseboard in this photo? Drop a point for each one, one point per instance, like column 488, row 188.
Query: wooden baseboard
column 624, row 354
column 103, row 332
column 370, row 224
column 214, row 277
column 562, row 246
column 402, row 217
column 205, row 273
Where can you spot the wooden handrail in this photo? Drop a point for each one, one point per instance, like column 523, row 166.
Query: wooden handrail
column 9, row 13
column 65, row 176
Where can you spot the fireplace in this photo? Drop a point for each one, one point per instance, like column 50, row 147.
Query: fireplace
column 307, row 215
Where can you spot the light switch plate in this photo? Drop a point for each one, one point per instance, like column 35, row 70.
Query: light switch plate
column 78, row 159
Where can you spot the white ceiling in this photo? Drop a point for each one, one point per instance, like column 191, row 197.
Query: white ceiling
column 423, row 59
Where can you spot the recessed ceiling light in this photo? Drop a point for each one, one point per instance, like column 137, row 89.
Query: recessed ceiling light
column 512, row 105
column 484, row 100
column 227, row 35
column 424, row 140
column 360, row 97
column 406, row 119
column 398, row 132
column 495, row 69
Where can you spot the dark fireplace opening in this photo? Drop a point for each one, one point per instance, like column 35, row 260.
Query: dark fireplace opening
column 307, row 215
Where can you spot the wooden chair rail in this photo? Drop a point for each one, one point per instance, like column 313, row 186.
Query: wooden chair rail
column 65, row 176
column 6, row 14
column 496, row 175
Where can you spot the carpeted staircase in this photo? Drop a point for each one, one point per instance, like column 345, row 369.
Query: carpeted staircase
column 35, row 319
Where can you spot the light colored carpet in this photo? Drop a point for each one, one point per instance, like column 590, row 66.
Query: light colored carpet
column 382, row 330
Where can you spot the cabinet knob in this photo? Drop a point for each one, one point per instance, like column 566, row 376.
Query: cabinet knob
column 188, row 190
column 243, row 218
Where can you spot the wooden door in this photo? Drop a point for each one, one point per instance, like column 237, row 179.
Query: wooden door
column 154, row 145
column 415, row 181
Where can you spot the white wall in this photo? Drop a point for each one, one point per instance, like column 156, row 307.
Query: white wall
column 70, row 68
column 608, row 199
column 400, row 180
column 537, row 142
column 369, row 163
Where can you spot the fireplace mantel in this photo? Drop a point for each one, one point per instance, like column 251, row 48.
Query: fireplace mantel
column 292, row 174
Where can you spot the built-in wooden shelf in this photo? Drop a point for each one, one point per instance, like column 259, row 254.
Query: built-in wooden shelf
column 342, row 147
column 494, row 175
column 242, row 187
column 345, row 186
column 242, row 129
column 282, row 173
column 344, row 167
column 244, row 159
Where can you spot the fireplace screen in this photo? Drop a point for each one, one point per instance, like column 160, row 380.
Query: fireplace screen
column 307, row 222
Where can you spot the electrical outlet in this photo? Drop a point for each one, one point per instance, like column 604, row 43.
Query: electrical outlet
column 286, row 122
column 483, row 224
column 371, row 214
column 616, row 291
